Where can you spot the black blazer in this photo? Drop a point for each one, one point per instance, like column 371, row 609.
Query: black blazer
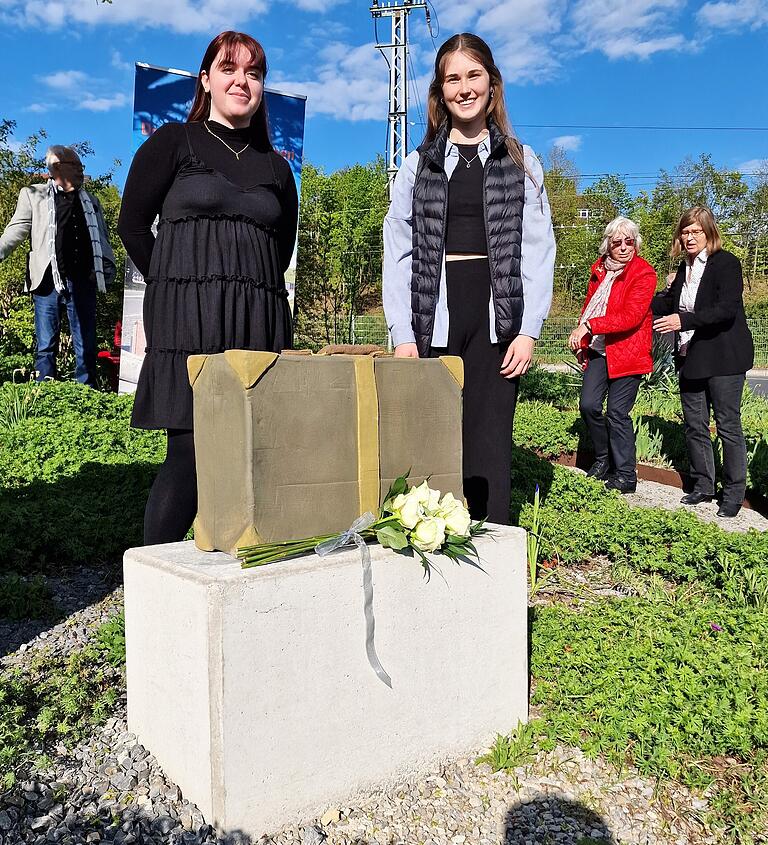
column 722, row 343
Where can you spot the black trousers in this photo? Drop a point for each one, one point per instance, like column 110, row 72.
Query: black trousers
column 489, row 398
column 612, row 434
column 721, row 395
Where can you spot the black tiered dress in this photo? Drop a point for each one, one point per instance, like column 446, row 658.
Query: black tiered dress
column 215, row 278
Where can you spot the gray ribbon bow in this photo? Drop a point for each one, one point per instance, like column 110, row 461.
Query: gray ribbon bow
column 348, row 538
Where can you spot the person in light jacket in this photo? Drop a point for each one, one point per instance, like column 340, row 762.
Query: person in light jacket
column 469, row 258
column 713, row 351
column 70, row 259
column 613, row 344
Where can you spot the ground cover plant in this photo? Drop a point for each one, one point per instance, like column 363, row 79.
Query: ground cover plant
column 55, row 699
column 74, row 476
column 667, row 673
column 667, row 669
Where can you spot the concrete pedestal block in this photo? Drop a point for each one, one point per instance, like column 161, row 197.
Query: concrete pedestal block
column 252, row 687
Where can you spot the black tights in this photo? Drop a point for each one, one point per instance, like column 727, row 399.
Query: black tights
column 172, row 502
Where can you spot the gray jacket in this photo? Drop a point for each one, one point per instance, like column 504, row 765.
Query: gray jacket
column 30, row 220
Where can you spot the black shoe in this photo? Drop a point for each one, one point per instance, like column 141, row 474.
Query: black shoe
column 695, row 498
column 600, row 469
column 728, row 511
column 623, row 485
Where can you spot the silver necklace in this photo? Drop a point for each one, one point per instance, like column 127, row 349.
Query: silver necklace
column 464, row 158
column 236, row 153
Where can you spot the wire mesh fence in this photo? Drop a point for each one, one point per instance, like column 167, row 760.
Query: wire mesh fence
column 552, row 345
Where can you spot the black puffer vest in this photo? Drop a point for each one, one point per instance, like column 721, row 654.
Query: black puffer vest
column 503, row 201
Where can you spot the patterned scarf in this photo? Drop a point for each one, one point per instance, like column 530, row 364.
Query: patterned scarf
column 91, row 221
column 599, row 302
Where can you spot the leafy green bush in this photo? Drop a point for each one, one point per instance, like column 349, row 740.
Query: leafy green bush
column 55, row 699
column 556, row 388
column 547, row 429
column 74, row 478
column 24, row 598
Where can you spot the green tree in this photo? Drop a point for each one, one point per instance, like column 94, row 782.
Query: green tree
column 340, row 249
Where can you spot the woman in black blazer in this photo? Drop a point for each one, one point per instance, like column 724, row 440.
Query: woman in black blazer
column 713, row 350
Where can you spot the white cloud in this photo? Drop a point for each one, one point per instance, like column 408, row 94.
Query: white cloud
column 753, row 165
column 572, row 143
column 118, row 62
column 64, row 80
column 40, row 108
column 348, row 82
column 734, row 15
column 621, row 31
column 185, row 16
column 77, row 90
column 116, row 101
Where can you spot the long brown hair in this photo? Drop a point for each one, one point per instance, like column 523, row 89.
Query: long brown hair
column 437, row 113
column 227, row 43
column 703, row 216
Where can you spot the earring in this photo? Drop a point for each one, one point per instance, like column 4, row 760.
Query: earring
column 492, row 92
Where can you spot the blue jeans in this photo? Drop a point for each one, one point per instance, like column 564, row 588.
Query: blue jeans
column 79, row 299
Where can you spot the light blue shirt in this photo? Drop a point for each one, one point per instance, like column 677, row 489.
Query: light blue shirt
column 537, row 259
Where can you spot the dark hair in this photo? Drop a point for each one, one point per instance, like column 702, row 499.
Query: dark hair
column 437, row 113
column 227, row 43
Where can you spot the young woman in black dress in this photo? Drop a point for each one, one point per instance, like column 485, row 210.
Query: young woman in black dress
column 215, row 273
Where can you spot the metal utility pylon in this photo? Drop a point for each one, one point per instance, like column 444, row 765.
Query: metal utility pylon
column 397, row 57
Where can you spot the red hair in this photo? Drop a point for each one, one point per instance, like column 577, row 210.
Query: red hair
column 225, row 47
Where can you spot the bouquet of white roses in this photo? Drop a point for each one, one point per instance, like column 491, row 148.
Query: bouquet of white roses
column 414, row 520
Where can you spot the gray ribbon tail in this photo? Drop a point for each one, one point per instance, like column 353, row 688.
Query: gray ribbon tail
column 370, row 624
column 347, row 538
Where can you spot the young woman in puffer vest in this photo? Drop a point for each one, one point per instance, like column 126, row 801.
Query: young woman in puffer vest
column 469, row 257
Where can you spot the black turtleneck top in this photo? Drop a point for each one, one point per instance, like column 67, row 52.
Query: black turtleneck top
column 155, row 167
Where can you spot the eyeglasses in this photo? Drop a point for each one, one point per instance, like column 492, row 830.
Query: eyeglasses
column 626, row 241
column 691, row 233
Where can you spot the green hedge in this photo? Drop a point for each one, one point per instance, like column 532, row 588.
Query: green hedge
column 74, row 477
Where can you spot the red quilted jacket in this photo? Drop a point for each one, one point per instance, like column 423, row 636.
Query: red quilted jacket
column 628, row 320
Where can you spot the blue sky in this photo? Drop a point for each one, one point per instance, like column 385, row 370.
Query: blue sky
column 68, row 68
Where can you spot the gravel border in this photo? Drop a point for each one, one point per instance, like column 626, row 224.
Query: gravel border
column 110, row 789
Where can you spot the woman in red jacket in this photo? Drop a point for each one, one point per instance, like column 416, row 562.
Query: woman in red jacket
column 613, row 344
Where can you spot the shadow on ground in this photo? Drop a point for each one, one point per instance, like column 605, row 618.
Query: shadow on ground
column 73, row 531
column 553, row 819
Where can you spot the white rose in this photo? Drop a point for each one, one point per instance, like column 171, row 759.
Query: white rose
column 455, row 514
column 457, row 522
column 429, row 534
column 407, row 508
column 428, row 497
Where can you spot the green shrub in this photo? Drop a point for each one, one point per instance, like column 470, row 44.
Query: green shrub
column 74, row 478
column 556, row 388
column 547, row 429
column 24, row 597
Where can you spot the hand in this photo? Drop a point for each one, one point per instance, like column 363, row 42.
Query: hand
column 574, row 339
column 517, row 359
column 406, row 350
column 582, row 359
column 667, row 324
